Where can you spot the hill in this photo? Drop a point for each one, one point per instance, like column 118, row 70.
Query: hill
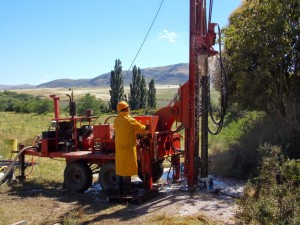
column 172, row 75
column 21, row 86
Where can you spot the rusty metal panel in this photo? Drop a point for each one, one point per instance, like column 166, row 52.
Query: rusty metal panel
column 103, row 131
column 148, row 120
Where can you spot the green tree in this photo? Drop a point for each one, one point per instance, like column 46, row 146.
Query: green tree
column 116, row 85
column 262, row 51
column 42, row 106
column 89, row 102
column 262, row 56
column 135, row 88
column 273, row 196
column 24, row 103
column 144, row 93
column 151, row 95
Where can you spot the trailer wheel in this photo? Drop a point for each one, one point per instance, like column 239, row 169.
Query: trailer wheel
column 78, row 176
column 157, row 172
column 107, row 177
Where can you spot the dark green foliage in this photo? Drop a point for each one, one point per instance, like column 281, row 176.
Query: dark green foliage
column 144, row 93
column 43, row 105
column 274, row 196
column 241, row 138
column 24, row 103
column 262, row 51
column 90, row 102
column 140, row 97
column 151, row 95
column 116, row 84
column 135, row 89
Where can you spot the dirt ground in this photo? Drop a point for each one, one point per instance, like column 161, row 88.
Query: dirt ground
column 57, row 206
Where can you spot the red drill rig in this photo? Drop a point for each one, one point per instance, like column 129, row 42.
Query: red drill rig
column 84, row 143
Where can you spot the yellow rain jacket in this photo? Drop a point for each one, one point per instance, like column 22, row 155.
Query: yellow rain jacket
column 126, row 128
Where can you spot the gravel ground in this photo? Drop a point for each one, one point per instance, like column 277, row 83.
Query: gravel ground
column 175, row 200
column 45, row 205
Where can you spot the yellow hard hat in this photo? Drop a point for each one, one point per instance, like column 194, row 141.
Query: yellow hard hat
column 122, row 105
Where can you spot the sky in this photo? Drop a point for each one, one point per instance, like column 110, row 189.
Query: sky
column 44, row 40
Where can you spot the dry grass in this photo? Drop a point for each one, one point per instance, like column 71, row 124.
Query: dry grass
column 165, row 92
column 163, row 219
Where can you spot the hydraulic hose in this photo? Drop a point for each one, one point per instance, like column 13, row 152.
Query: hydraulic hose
column 105, row 122
column 12, row 164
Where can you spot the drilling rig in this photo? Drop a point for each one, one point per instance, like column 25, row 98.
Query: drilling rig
column 84, row 143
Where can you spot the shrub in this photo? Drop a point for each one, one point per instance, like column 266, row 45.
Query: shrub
column 24, row 103
column 234, row 151
column 273, row 197
column 241, row 139
column 90, row 102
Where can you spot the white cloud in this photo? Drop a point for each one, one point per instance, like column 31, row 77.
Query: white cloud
column 168, row 35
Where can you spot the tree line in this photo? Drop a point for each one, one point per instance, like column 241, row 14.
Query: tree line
column 139, row 96
column 24, row 103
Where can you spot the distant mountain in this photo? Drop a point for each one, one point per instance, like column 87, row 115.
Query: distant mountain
column 21, row 86
column 172, row 75
column 65, row 83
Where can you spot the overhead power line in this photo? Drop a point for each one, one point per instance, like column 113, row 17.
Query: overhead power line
column 144, row 39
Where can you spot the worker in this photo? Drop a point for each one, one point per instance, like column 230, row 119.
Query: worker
column 126, row 128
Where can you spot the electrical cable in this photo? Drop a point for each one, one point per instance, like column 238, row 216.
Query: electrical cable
column 105, row 122
column 144, row 39
column 33, row 163
column 3, row 168
column 223, row 91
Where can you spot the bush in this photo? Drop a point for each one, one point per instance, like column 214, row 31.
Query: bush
column 24, row 103
column 237, row 154
column 273, row 197
column 241, row 139
column 90, row 102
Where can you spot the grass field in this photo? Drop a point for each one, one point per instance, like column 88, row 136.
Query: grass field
column 41, row 200
column 165, row 92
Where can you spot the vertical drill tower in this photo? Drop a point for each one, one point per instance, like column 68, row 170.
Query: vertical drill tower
column 202, row 38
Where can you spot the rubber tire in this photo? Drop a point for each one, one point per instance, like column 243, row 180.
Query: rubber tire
column 107, row 177
column 78, row 176
column 157, row 172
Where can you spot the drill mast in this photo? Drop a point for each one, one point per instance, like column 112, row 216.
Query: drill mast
column 202, row 38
